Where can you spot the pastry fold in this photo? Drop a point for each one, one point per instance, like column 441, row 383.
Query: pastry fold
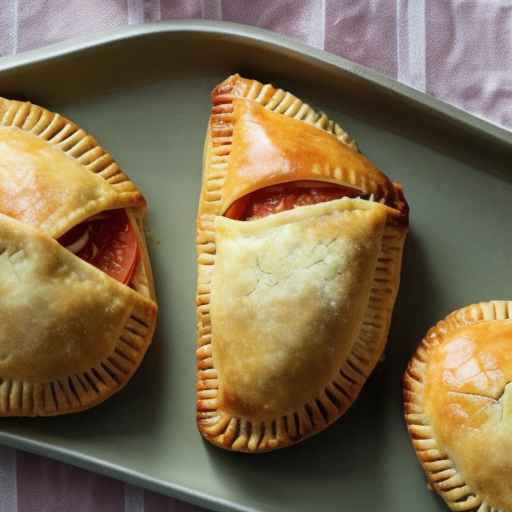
column 293, row 309
column 269, row 148
column 288, row 296
column 53, row 175
column 70, row 335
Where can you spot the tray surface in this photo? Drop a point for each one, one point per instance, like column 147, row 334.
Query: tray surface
column 144, row 93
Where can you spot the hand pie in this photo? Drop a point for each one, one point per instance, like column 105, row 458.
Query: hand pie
column 77, row 307
column 458, row 407
column 299, row 246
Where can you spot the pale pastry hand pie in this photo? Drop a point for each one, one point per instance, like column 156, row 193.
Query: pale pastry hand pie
column 77, row 306
column 458, row 407
column 300, row 240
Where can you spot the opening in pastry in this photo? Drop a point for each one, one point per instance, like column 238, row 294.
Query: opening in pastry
column 107, row 241
column 286, row 196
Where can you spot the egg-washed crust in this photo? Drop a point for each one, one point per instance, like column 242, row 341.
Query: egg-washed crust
column 440, row 470
column 261, row 136
column 28, row 120
column 95, row 180
column 239, row 433
column 85, row 333
column 64, row 178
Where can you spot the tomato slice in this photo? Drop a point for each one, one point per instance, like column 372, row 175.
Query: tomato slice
column 287, row 196
column 108, row 241
column 238, row 209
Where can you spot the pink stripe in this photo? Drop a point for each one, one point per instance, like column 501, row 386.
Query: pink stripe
column 299, row 19
column 211, row 9
column 152, row 10
column 181, row 9
column 42, row 22
column 158, row 503
column 469, row 56
column 8, row 480
column 363, row 32
column 50, row 486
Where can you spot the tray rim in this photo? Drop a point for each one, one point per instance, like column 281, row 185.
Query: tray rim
column 255, row 34
column 237, row 32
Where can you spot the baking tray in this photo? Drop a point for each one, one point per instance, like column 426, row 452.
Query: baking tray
column 144, row 92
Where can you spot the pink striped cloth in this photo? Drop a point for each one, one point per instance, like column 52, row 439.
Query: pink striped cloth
column 457, row 50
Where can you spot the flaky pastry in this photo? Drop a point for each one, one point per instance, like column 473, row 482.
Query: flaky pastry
column 299, row 245
column 77, row 302
column 458, row 407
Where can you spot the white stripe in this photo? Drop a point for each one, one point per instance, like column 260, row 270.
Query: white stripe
column 317, row 31
column 135, row 11
column 133, row 499
column 8, row 487
column 16, row 24
column 211, row 9
column 323, row 23
column 411, row 43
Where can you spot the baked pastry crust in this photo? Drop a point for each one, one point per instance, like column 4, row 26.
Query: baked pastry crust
column 458, row 405
column 293, row 310
column 54, row 175
column 70, row 335
column 269, row 148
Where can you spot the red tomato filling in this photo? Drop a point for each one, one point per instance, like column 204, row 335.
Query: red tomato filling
column 287, row 196
column 108, row 241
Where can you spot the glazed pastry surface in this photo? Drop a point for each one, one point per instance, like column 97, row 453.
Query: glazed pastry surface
column 294, row 300
column 458, row 387
column 70, row 335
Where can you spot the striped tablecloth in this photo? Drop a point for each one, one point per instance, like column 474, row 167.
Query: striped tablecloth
column 457, row 50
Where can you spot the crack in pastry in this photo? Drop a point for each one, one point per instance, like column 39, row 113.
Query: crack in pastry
column 299, row 243
column 77, row 316
column 458, row 406
column 296, row 317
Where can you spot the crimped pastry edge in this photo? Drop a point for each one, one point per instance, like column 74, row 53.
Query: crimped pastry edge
column 236, row 433
column 79, row 392
column 331, row 403
column 78, row 145
column 439, row 469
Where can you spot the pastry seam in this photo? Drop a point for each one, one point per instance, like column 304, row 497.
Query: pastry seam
column 239, row 433
column 82, row 147
column 77, row 144
column 335, row 399
column 67, row 136
column 81, row 391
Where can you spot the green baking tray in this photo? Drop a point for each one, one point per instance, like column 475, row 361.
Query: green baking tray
column 144, row 93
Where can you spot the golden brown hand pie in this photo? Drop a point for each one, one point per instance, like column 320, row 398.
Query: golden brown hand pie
column 458, row 407
column 77, row 307
column 297, row 275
